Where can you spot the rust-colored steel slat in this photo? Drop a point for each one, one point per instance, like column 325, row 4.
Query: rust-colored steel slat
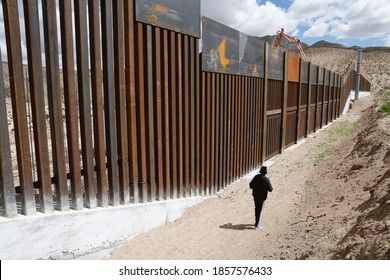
column 225, row 137
column 109, row 101
column 120, row 100
column 141, row 128
column 166, row 110
column 251, row 104
column 179, row 113
column 284, row 103
column 235, row 127
column 55, row 107
column 213, row 143
column 229, row 112
column 203, row 144
column 71, row 111
column 246, row 131
column 221, row 128
column 7, row 188
column 97, row 102
column 15, row 65
column 186, row 116
column 299, row 101
column 192, row 115
column 217, row 122
column 131, row 100
column 150, row 151
column 85, row 102
column 309, row 93
column 198, row 122
column 173, row 118
column 239, row 127
column 158, row 113
column 38, row 109
column 233, row 150
column 208, row 133
column 265, row 106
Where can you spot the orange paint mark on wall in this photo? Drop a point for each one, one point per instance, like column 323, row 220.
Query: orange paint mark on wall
column 222, row 49
column 255, row 69
column 160, row 8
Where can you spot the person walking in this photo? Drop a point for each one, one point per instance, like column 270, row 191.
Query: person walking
column 260, row 186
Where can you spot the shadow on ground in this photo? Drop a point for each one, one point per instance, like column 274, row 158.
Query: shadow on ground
column 237, row 227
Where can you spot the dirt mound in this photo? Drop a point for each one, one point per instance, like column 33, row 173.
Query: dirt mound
column 369, row 160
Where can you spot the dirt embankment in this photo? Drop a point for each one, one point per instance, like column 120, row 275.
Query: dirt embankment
column 369, row 238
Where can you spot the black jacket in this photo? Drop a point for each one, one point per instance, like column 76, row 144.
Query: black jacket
column 260, row 186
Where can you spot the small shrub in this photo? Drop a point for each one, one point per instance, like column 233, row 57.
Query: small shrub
column 385, row 109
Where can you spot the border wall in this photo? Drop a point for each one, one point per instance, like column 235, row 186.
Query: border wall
column 126, row 109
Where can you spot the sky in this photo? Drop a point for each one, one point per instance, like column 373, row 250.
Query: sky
column 349, row 22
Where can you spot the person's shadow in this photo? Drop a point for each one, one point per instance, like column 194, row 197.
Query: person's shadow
column 237, row 227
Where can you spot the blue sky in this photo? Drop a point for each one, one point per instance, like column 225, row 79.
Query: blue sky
column 348, row 22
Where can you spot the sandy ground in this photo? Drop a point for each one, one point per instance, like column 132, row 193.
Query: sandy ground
column 311, row 208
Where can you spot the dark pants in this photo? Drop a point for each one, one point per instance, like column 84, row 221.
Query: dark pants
column 258, row 207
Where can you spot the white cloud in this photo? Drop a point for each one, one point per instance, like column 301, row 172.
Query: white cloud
column 342, row 19
column 248, row 17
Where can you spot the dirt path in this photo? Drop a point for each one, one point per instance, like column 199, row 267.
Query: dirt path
column 311, row 208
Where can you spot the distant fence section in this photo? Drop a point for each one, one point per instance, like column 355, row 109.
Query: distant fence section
column 127, row 110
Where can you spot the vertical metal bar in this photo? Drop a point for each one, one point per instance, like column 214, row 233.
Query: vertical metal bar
column 222, row 158
column 158, row 112
column 213, row 143
column 39, row 120
column 233, row 129
column 150, row 115
column 15, row 65
column 198, row 124
column 72, row 129
column 265, row 100
column 54, row 98
column 140, row 93
column 7, row 188
column 217, row 124
column 192, row 115
column 284, row 109
column 120, row 99
column 166, row 129
column 308, row 120
column 203, row 145
column 131, row 97
column 186, row 118
column 97, row 101
column 173, row 106
column 109, row 101
column 220, row 136
column 179, row 112
column 229, row 111
column 85, row 102
column 298, row 122
column 208, row 133
column 239, row 128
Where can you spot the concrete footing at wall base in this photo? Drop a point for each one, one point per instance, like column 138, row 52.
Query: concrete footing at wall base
column 73, row 234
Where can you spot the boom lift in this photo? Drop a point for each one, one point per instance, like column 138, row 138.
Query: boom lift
column 280, row 33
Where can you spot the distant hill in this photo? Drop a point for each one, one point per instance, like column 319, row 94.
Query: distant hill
column 325, row 44
column 285, row 44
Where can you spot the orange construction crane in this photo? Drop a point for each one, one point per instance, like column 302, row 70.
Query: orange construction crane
column 278, row 38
